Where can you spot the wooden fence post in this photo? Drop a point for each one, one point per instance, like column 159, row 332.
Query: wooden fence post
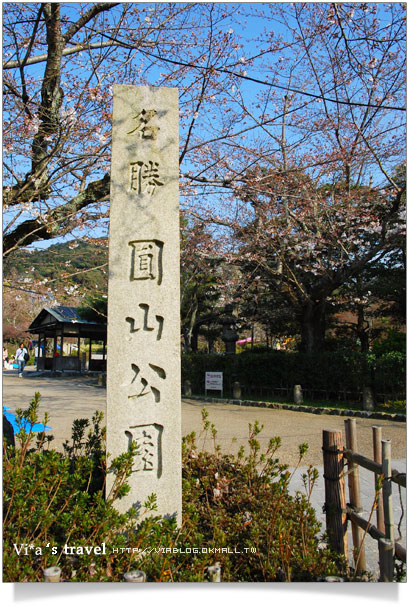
column 386, row 555
column 377, row 436
column 335, row 503
column 355, row 495
column 387, row 490
column 386, row 546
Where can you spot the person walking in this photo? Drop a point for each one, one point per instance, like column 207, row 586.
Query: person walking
column 5, row 357
column 21, row 358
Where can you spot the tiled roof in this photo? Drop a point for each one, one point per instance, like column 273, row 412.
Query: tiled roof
column 63, row 313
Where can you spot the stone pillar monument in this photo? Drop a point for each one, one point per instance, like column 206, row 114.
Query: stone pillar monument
column 143, row 356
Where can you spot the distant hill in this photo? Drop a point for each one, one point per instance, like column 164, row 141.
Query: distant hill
column 70, row 263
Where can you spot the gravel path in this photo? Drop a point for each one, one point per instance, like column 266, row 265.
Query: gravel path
column 70, row 398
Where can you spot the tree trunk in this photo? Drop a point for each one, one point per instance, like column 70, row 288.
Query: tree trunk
column 362, row 330
column 194, row 339
column 313, row 327
column 211, row 341
column 186, row 343
column 188, row 332
column 368, row 402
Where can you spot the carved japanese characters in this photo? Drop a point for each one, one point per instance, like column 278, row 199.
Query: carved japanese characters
column 148, row 442
column 143, row 379
column 146, row 260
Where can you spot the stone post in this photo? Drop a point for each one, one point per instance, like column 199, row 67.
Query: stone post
column 135, row 576
column 367, row 398
column 143, row 353
column 236, row 390
column 214, row 573
column 298, row 394
column 187, row 388
column 52, row 574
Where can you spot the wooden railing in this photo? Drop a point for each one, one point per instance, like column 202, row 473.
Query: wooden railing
column 338, row 512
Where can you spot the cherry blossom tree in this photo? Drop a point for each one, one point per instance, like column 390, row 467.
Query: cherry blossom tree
column 61, row 61
column 328, row 99
column 306, row 242
column 325, row 203
column 292, row 123
column 202, row 283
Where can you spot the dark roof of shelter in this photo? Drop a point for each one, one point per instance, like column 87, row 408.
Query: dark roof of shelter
column 64, row 314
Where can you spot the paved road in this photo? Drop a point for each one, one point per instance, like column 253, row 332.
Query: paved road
column 70, row 398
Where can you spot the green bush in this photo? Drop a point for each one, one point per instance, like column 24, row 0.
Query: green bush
column 332, row 372
column 394, row 341
column 239, row 505
column 50, row 499
column 242, row 502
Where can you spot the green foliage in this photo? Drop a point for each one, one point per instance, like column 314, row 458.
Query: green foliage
column 394, row 406
column 90, row 447
column 400, row 573
column 49, row 501
column 62, row 260
column 329, row 372
column 237, row 510
column 94, row 309
column 394, row 341
column 242, row 503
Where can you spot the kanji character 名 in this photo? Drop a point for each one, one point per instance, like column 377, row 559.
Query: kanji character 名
column 142, row 119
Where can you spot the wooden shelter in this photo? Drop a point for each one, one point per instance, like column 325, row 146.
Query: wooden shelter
column 67, row 342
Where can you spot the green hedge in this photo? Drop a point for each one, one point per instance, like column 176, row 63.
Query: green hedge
column 329, row 371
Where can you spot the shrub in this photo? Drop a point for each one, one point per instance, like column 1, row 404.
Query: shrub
column 238, row 505
column 50, row 499
column 325, row 371
column 242, row 502
column 394, row 341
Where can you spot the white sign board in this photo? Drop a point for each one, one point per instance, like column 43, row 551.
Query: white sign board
column 214, row 380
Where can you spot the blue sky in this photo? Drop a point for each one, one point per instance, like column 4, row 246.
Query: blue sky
column 247, row 90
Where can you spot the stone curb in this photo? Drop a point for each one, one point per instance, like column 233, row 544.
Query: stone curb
column 312, row 409
column 53, row 374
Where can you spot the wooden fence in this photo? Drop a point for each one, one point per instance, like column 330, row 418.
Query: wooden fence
column 338, row 512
